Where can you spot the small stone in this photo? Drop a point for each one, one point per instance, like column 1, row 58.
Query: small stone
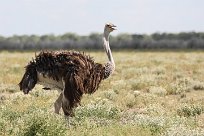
column 136, row 93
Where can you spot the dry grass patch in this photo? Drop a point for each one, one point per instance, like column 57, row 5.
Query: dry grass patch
column 151, row 93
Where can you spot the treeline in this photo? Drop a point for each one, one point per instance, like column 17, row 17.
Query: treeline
column 190, row 40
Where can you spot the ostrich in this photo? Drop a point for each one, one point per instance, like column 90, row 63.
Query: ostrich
column 72, row 73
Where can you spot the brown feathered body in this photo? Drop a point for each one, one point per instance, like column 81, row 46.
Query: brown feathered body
column 72, row 72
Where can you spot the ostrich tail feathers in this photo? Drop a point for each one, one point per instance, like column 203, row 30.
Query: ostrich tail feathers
column 29, row 78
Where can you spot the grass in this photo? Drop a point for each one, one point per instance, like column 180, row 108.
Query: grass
column 150, row 93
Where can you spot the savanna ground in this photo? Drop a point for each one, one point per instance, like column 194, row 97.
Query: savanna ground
column 150, row 93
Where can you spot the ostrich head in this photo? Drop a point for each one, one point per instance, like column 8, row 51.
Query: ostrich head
column 109, row 27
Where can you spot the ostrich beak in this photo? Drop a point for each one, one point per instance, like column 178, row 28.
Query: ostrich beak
column 113, row 27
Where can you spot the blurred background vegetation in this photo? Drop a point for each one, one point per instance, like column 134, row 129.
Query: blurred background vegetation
column 182, row 40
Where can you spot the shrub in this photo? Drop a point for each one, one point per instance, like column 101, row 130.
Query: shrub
column 99, row 109
column 197, row 85
column 43, row 123
column 31, row 122
column 154, row 124
column 188, row 111
column 157, row 90
column 180, row 86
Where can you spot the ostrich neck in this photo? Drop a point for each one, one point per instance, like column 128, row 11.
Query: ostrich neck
column 107, row 48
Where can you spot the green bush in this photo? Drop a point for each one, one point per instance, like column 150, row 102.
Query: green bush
column 41, row 123
column 31, row 122
column 99, row 109
column 188, row 111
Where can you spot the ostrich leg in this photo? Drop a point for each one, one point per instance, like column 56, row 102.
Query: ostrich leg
column 58, row 104
column 68, row 111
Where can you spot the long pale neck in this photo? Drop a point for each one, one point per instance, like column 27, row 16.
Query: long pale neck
column 107, row 48
column 110, row 65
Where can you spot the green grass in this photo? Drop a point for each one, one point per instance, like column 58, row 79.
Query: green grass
column 150, row 93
